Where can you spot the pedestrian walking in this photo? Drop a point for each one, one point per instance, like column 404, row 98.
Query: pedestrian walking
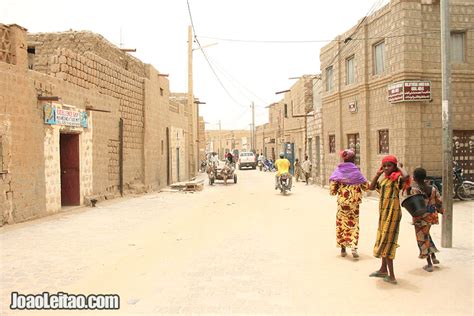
column 307, row 165
column 348, row 183
column 423, row 222
column 298, row 170
column 395, row 180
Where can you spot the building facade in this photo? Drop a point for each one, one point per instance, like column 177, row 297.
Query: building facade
column 223, row 141
column 382, row 88
column 287, row 121
column 80, row 120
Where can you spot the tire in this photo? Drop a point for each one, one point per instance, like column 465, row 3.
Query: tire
column 235, row 178
column 465, row 192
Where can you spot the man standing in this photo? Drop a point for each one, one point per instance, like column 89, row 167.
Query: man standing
column 307, row 165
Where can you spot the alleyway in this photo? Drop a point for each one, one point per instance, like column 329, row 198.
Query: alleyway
column 243, row 248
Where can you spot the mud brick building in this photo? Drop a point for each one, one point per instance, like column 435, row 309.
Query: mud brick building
column 223, row 141
column 80, row 120
column 288, row 121
column 382, row 87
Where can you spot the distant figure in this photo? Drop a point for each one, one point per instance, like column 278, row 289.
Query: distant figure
column 348, row 183
column 298, row 170
column 423, row 222
column 307, row 165
column 230, row 157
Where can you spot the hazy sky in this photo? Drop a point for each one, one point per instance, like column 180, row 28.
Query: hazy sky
column 250, row 67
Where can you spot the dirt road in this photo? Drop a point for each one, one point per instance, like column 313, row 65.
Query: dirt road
column 240, row 248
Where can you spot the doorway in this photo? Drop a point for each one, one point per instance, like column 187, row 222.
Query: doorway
column 69, row 162
column 353, row 142
column 463, row 151
column 177, row 164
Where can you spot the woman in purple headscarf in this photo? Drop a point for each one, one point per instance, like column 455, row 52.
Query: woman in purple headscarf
column 347, row 182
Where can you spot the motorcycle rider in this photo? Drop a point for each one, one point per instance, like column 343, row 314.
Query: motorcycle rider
column 283, row 166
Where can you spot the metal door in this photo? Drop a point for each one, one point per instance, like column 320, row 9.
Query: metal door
column 289, row 150
column 353, row 142
column 69, row 162
column 463, row 152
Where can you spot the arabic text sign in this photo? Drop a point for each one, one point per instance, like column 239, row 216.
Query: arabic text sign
column 409, row 91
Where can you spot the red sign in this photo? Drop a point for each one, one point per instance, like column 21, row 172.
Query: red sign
column 409, row 91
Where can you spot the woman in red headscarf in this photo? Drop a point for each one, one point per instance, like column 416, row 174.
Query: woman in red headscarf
column 395, row 179
column 348, row 183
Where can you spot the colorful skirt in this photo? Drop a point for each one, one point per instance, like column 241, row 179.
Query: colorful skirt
column 347, row 225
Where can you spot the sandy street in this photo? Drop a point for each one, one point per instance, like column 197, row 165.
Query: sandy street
column 241, row 248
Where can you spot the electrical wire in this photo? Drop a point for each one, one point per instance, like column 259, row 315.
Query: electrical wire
column 236, row 83
column 207, row 59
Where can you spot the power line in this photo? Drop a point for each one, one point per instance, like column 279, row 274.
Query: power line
column 236, row 83
column 208, row 62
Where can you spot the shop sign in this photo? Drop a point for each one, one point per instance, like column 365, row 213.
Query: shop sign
column 409, row 90
column 56, row 115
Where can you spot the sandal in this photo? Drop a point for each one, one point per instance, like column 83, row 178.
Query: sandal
column 388, row 279
column 355, row 255
column 378, row 274
column 343, row 252
column 428, row 268
column 435, row 261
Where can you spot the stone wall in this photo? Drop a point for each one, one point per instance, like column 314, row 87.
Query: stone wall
column 30, row 180
column 410, row 31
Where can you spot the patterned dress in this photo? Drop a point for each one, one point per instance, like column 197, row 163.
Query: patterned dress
column 423, row 223
column 347, row 216
column 390, row 214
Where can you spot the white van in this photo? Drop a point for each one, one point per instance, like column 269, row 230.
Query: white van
column 247, row 159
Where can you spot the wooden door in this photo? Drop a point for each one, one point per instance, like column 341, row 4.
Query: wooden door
column 69, row 161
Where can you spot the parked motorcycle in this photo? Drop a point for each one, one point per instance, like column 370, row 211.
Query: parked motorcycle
column 284, row 183
column 268, row 165
column 462, row 189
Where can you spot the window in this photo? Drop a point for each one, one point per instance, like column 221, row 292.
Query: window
column 350, row 70
column 162, row 147
column 161, row 91
column 332, row 144
column 353, row 142
column 286, row 110
column 379, row 58
column 457, row 47
column 1, row 154
column 383, row 142
column 329, row 78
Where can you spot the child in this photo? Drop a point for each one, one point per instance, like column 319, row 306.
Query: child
column 423, row 222
column 390, row 214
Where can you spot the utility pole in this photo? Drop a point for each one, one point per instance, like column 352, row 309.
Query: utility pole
column 191, row 106
column 253, row 128
column 446, row 111
column 220, row 139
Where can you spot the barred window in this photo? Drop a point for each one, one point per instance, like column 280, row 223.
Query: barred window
column 353, row 142
column 383, row 142
column 332, row 144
